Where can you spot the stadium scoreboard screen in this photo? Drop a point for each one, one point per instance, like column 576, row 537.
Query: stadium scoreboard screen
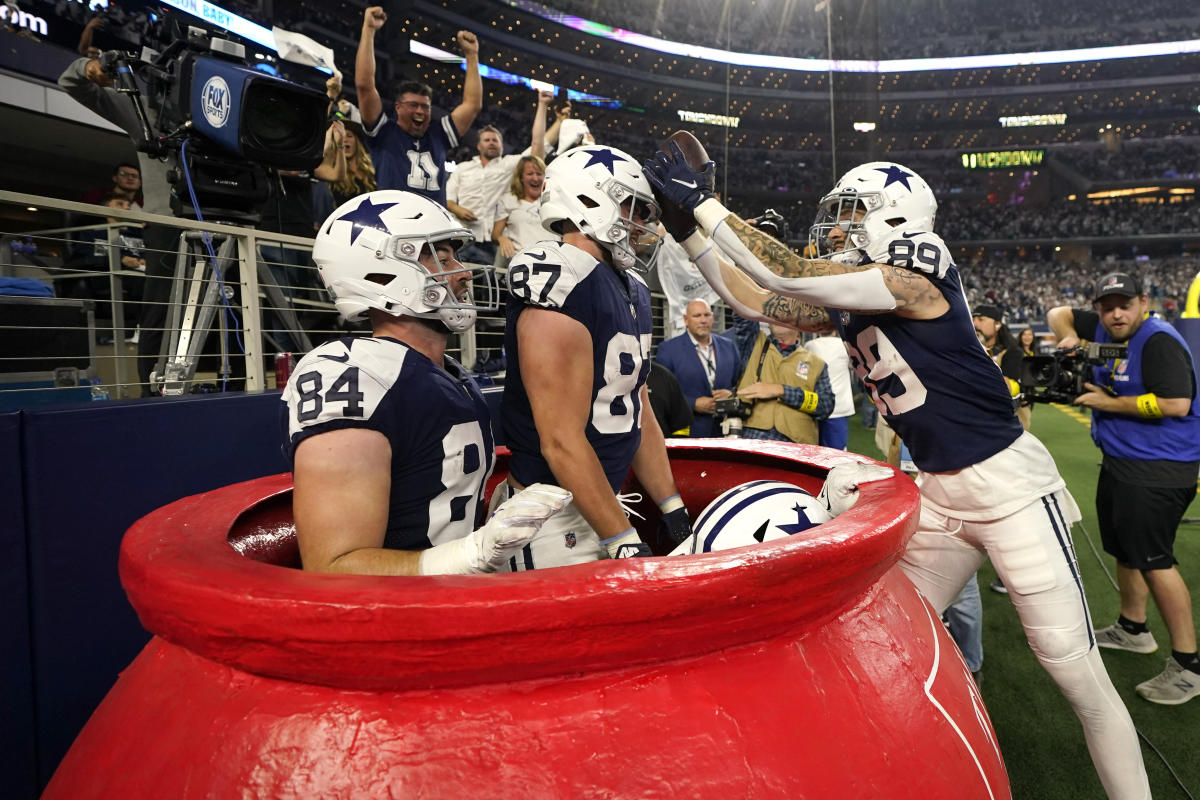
column 1003, row 159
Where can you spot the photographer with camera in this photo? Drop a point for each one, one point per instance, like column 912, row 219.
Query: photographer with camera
column 784, row 390
column 705, row 365
column 1146, row 421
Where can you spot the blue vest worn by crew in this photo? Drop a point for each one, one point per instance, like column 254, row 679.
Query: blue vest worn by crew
column 615, row 308
column 436, row 421
column 931, row 379
column 1123, row 436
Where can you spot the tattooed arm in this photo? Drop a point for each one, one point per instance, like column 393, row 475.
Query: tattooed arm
column 868, row 288
column 746, row 297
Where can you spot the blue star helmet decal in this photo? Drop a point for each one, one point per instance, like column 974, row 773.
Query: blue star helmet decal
column 802, row 522
column 603, row 156
column 895, row 175
column 367, row 215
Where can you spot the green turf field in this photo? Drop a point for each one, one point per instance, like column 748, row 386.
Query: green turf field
column 1039, row 735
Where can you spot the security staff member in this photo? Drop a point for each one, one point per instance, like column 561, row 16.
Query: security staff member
column 1146, row 420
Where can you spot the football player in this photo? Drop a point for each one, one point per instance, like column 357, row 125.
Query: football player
column 390, row 439
column 887, row 283
column 578, row 346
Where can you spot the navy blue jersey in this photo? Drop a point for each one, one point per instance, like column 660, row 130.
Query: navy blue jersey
column 436, row 421
column 615, row 308
column 932, row 380
column 413, row 165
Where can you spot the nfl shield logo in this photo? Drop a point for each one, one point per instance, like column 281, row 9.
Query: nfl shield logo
column 569, row 539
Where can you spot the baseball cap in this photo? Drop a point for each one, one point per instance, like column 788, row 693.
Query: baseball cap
column 988, row 310
column 1117, row 283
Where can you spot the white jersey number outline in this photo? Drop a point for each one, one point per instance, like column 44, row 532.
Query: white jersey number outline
column 460, row 485
column 617, row 384
column 423, row 171
column 875, row 359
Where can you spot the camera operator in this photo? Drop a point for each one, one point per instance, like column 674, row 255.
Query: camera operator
column 1146, row 421
column 88, row 82
column 787, row 387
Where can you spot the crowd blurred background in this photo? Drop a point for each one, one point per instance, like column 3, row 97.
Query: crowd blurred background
column 1115, row 140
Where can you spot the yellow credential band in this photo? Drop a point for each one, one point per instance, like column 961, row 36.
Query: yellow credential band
column 1147, row 406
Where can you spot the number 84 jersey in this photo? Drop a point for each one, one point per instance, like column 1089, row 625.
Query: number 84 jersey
column 614, row 306
column 435, row 420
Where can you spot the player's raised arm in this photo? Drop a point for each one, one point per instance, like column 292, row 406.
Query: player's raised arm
column 746, row 297
column 863, row 287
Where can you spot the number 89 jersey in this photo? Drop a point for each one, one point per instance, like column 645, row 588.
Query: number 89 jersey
column 931, row 379
column 615, row 308
column 435, row 420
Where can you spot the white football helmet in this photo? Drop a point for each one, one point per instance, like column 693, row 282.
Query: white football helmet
column 871, row 204
column 753, row 512
column 368, row 255
column 586, row 186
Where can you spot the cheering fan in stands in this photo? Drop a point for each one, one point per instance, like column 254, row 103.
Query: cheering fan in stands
column 409, row 150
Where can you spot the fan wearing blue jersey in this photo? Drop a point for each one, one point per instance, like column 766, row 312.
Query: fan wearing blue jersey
column 410, row 151
column 390, row 440
column 578, row 344
column 888, row 285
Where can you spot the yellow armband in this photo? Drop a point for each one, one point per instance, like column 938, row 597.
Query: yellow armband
column 810, row 402
column 1147, row 406
column 1014, row 388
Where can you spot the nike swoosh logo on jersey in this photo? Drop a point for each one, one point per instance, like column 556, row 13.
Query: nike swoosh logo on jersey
column 537, row 256
column 343, row 358
column 911, row 235
column 688, row 184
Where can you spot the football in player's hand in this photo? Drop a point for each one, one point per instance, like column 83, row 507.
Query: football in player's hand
column 693, row 152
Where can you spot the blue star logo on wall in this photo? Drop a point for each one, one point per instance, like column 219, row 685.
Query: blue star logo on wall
column 802, row 522
column 896, row 175
column 603, row 156
column 367, row 215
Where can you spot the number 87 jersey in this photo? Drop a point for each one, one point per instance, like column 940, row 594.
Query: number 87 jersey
column 435, row 420
column 614, row 306
column 931, row 379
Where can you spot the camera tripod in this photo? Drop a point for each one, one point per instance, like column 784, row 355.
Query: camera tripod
column 196, row 300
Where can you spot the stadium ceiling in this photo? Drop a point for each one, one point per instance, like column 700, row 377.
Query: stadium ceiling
column 848, row 65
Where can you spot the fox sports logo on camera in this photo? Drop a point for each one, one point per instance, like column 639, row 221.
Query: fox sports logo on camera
column 215, row 101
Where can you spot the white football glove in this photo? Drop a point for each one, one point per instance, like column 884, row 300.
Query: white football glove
column 840, row 491
column 515, row 523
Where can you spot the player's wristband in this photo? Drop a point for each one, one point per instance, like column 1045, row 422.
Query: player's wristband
column 613, row 544
column 1014, row 388
column 710, row 213
column 810, row 402
column 669, row 504
column 1147, row 406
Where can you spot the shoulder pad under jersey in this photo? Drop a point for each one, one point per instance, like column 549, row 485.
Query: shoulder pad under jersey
column 921, row 251
column 342, row 381
column 546, row 273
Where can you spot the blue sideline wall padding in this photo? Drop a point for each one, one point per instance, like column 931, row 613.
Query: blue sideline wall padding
column 90, row 471
column 17, row 756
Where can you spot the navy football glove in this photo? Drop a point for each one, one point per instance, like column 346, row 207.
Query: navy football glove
column 676, row 182
column 675, row 526
column 635, row 550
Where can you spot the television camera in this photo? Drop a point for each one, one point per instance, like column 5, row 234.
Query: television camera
column 1059, row 377
column 218, row 122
